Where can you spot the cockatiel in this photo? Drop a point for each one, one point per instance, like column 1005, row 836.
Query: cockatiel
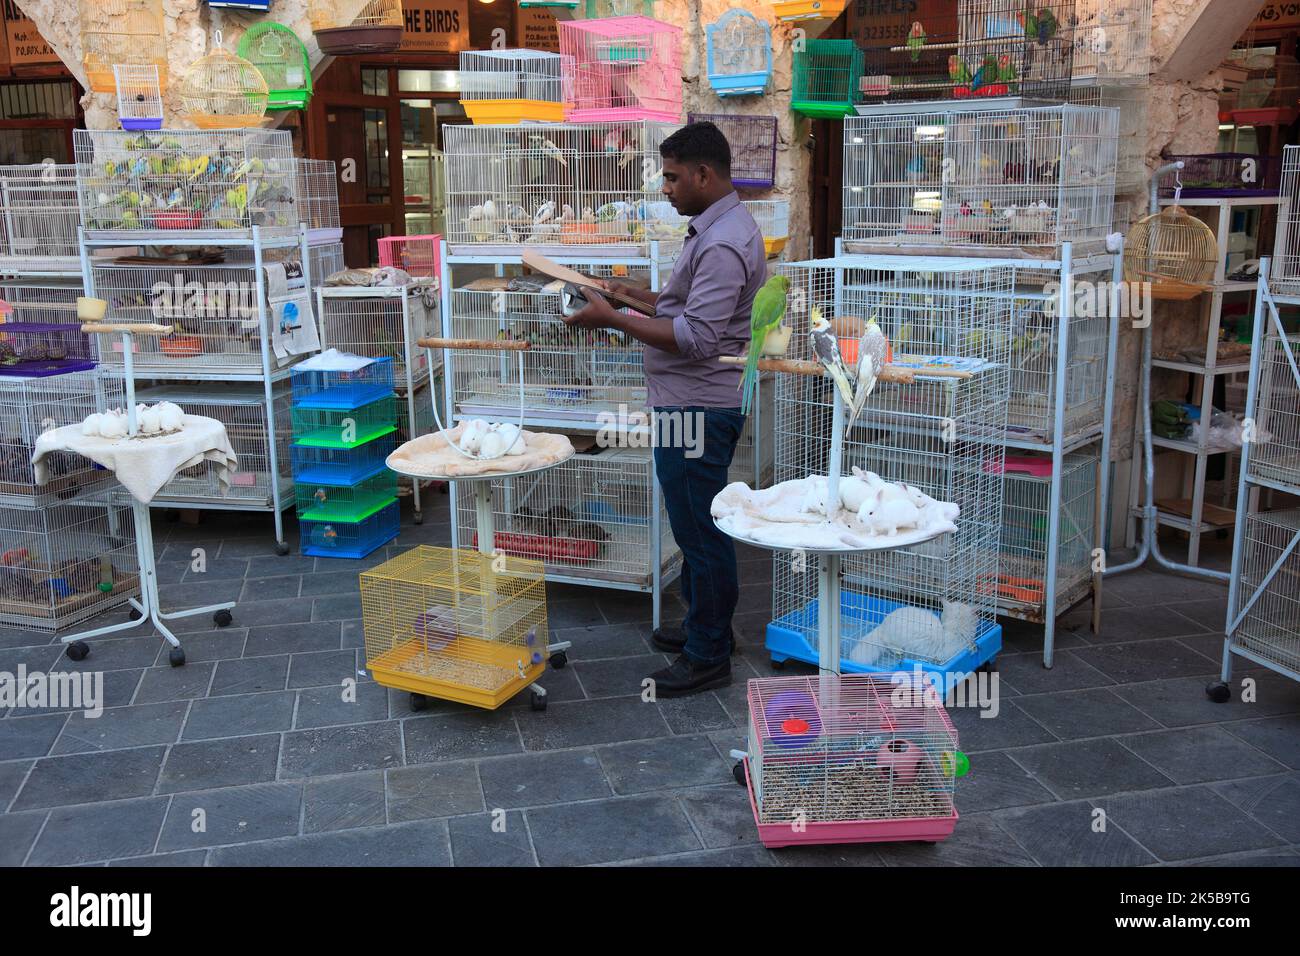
column 550, row 149
column 873, row 353
column 916, row 40
column 766, row 315
column 826, row 349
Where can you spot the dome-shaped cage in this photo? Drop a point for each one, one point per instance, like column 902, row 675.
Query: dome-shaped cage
column 139, row 96
column 281, row 58
column 121, row 32
column 376, row 28
column 739, row 54
column 1174, row 251
column 223, row 91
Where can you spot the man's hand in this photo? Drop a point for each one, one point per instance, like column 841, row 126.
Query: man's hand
column 637, row 292
column 596, row 314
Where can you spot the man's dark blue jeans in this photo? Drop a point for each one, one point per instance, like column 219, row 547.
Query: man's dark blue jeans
column 690, row 478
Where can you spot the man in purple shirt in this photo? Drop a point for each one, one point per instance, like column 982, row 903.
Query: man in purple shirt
column 702, row 313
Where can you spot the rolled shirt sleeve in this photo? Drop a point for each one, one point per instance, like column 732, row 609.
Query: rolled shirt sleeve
column 720, row 279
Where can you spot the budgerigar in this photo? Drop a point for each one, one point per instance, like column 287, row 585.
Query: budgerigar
column 873, row 352
column 766, row 315
column 826, row 349
column 916, row 40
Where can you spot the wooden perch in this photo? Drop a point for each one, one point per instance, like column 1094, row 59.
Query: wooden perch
column 133, row 327
column 897, row 374
column 495, row 345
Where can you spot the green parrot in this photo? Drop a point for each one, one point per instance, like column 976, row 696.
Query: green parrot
column 916, row 40
column 768, row 311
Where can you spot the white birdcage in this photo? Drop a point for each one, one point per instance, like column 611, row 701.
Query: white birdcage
column 590, row 188
column 589, row 520
column 1022, row 561
column 241, row 407
column 772, row 216
column 325, row 260
column 65, row 562
column 852, row 759
column 188, row 184
column 1035, row 337
column 1284, row 272
column 514, row 86
column 214, row 312
column 318, row 200
column 1130, row 99
column 1112, row 41
column 31, row 406
column 39, row 218
column 1275, row 449
column 941, row 433
column 139, row 96
column 382, row 323
column 1271, row 626
column 569, row 374
column 1032, row 177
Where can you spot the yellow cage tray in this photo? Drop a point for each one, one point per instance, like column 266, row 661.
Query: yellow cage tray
column 469, row 671
column 808, row 9
column 775, row 246
column 496, row 112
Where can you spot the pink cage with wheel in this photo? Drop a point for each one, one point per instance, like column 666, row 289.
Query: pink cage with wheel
column 858, row 758
column 625, row 68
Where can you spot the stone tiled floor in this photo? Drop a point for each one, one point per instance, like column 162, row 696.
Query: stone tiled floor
column 252, row 737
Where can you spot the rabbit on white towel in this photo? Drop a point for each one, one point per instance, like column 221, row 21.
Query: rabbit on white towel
column 888, row 511
column 919, row 634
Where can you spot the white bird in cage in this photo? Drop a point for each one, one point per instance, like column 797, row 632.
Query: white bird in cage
column 545, row 212
column 629, row 154
column 566, row 213
column 550, row 149
column 873, row 351
column 490, row 211
column 827, row 350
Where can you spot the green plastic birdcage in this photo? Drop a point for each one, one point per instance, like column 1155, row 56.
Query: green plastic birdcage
column 826, row 77
column 281, row 58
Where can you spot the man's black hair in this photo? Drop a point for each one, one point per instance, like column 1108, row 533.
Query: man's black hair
column 699, row 143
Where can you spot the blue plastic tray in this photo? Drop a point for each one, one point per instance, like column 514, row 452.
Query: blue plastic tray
column 343, row 390
column 341, row 466
column 785, row 640
column 336, row 539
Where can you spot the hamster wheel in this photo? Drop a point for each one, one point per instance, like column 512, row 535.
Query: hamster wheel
column 1174, row 251
column 222, row 90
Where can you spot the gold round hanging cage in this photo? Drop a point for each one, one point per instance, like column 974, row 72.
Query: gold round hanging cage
column 222, row 90
column 1174, row 251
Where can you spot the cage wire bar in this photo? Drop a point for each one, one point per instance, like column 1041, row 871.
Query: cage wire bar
column 925, row 604
column 753, row 142
column 1286, row 252
column 39, row 216
column 1130, row 99
column 577, row 189
column 772, row 216
column 317, row 200
column 981, row 182
column 990, row 51
column 1263, row 620
column 625, row 68
column 1112, row 41
column 139, row 96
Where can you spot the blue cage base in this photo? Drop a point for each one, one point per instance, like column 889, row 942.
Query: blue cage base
column 786, row 640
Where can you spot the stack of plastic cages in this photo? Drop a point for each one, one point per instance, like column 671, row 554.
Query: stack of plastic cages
column 241, row 407
column 39, row 217
column 40, row 334
column 350, row 513
column 67, row 547
column 927, row 605
column 1284, row 278
column 572, row 190
column 990, row 182
column 1022, row 562
column 593, row 519
column 990, row 51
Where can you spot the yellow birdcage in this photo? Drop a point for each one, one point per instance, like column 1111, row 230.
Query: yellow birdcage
column 222, row 91
column 121, row 32
column 377, row 28
column 456, row 624
column 1174, row 251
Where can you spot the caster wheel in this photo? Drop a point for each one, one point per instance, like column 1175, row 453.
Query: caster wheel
column 78, row 650
column 418, row 517
column 559, row 659
column 537, row 701
column 222, row 618
column 176, row 656
column 738, row 771
column 1217, row 692
column 419, row 702
column 133, row 614
column 778, row 665
column 281, row 548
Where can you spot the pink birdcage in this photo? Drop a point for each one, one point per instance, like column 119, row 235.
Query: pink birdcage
column 858, row 758
column 625, row 68
column 417, row 255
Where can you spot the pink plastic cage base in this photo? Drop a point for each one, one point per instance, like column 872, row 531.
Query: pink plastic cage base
column 774, row 835
column 624, row 114
column 418, row 255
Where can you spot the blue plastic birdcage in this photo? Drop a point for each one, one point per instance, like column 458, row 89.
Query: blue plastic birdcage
column 739, row 54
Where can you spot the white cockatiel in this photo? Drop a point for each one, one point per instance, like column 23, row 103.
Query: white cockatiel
column 826, row 349
column 545, row 212
column 550, row 149
column 566, row 213
column 873, row 349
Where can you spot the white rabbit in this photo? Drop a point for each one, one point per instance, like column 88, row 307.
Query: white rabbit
column 853, row 492
column 914, row 631
column 492, row 446
column 91, row 424
column 170, row 416
column 870, row 477
column 814, row 499
column 888, row 514
column 472, row 435
column 112, row 426
column 149, row 421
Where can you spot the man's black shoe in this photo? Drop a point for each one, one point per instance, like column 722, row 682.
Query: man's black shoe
column 672, row 640
column 684, row 677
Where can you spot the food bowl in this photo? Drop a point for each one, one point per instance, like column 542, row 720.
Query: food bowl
column 91, row 309
column 182, row 346
column 177, row 219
